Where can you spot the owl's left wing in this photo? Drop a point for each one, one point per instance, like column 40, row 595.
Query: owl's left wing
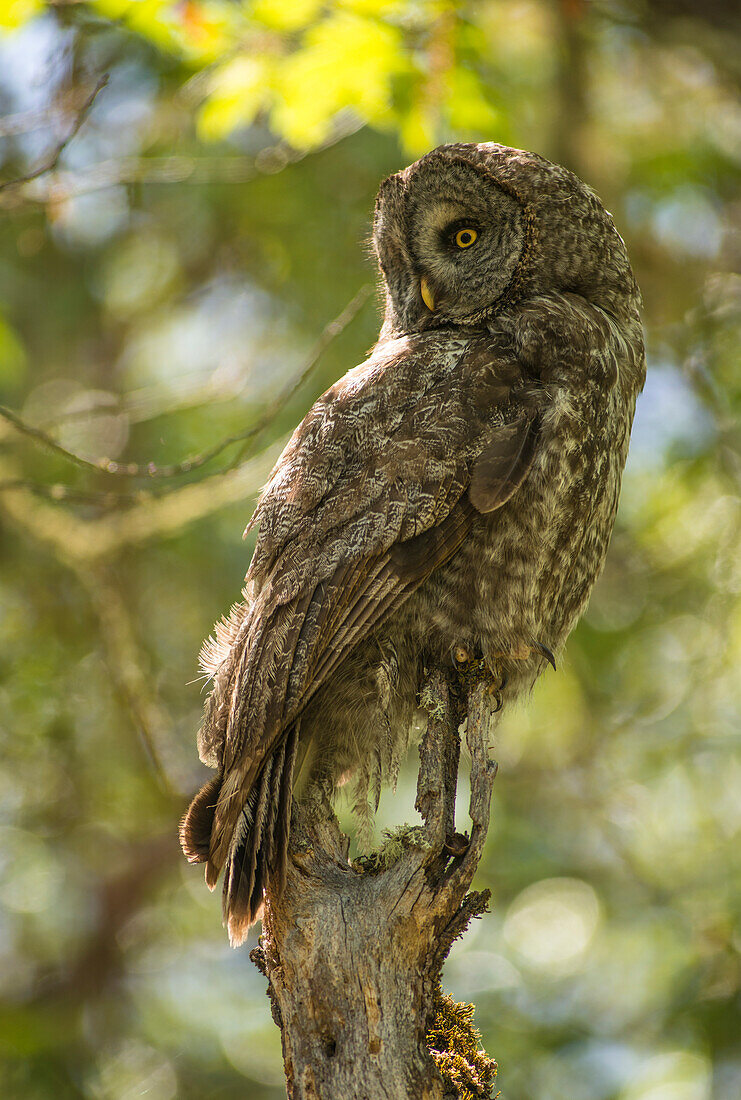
column 369, row 497
column 361, row 592
column 378, row 487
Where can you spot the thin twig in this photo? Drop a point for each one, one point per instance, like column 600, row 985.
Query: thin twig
column 26, row 122
column 328, row 334
column 150, row 402
column 127, row 663
column 77, row 541
column 188, row 465
column 50, row 163
column 58, row 492
column 176, row 169
column 44, row 440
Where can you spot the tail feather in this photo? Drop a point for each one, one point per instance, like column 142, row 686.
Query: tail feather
column 280, row 847
column 259, row 848
column 244, row 864
column 274, row 807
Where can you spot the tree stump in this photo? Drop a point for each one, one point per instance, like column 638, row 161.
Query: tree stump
column 353, row 956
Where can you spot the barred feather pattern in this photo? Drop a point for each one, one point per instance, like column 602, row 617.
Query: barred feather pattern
column 459, row 487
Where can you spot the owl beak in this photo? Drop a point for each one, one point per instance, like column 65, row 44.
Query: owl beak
column 427, row 296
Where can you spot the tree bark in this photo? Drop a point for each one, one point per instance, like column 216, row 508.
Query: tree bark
column 353, row 954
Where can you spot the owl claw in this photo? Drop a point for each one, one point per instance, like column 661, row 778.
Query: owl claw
column 545, row 651
column 496, row 694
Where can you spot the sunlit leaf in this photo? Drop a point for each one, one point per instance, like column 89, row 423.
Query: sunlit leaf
column 284, row 16
column 207, row 29
column 384, row 7
column 417, row 127
column 14, row 13
column 155, row 20
column 466, row 104
column 347, row 62
column 200, row 30
column 238, row 91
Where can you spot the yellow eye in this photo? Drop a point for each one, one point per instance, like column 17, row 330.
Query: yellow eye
column 464, row 238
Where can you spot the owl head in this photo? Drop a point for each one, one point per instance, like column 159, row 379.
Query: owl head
column 470, row 230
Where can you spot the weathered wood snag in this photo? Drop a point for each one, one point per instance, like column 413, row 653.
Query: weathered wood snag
column 353, row 955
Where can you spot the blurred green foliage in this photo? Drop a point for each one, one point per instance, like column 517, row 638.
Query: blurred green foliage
column 157, row 289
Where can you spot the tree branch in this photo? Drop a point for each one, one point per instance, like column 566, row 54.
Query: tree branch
column 79, row 542
column 51, row 162
column 353, row 954
column 87, row 546
column 151, row 470
column 126, row 661
column 173, row 169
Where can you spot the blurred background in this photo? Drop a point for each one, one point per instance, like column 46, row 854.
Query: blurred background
column 174, row 251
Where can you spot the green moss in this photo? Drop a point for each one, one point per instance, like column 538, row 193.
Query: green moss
column 453, row 1042
column 395, row 843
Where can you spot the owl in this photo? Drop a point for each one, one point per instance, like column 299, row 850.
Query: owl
column 451, row 498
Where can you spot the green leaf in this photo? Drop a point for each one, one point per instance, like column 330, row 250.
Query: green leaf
column 347, row 61
column 16, row 13
column 282, row 16
column 202, row 31
column 417, row 127
column 466, row 104
column 239, row 90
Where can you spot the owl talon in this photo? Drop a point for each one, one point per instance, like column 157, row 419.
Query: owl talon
column 496, row 695
column 497, row 692
column 545, row 652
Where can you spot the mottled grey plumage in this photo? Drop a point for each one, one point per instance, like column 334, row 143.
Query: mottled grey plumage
column 456, row 490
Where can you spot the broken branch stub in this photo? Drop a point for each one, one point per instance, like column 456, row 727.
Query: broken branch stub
column 353, row 957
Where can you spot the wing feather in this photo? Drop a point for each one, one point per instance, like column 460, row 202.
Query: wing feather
column 378, row 488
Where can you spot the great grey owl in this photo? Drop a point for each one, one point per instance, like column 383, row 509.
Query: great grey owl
column 454, row 494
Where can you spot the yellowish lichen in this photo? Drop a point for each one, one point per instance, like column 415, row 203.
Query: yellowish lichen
column 453, row 1042
column 395, row 843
